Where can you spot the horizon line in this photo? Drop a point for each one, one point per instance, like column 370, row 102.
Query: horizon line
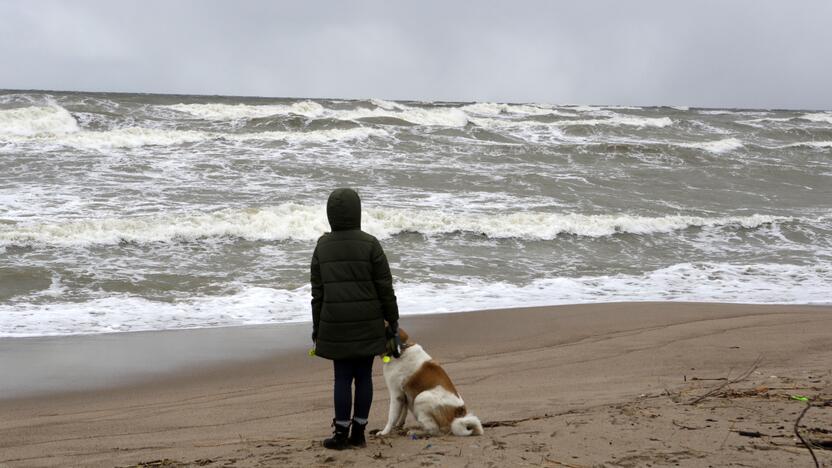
column 441, row 101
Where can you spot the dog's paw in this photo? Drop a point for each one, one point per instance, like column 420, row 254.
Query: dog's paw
column 417, row 434
column 380, row 433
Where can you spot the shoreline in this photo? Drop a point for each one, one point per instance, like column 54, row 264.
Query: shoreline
column 146, row 356
column 133, row 357
column 247, row 393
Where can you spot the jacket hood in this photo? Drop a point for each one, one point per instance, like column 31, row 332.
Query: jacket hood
column 343, row 209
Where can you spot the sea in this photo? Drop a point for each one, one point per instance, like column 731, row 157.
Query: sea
column 128, row 212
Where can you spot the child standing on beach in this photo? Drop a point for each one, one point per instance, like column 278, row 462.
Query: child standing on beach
column 352, row 297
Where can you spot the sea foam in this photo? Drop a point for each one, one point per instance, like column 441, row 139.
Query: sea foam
column 131, row 137
column 315, row 136
column 618, row 120
column 808, row 144
column 701, row 282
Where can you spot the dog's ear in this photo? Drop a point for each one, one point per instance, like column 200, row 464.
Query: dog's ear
column 403, row 336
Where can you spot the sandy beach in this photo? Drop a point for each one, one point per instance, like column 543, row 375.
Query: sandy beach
column 608, row 222
column 622, row 384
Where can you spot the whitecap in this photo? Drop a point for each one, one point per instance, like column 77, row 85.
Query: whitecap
column 715, row 112
column 808, row 144
column 717, row 146
column 316, row 136
column 387, row 105
column 820, row 117
column 825, row 117
column 497, row 109
column 440, row 116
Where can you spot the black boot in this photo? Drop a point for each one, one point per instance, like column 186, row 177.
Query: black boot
column 357, row 435
column 338, row 441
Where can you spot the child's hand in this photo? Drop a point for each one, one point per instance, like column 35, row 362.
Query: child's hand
column 394, row 345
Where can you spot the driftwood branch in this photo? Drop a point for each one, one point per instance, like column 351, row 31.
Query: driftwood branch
column 513, row 422
column 797, row 433
column 560, row 463
column 719, row 388
column 688, row 428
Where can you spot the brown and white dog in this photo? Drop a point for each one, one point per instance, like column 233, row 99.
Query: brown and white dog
column 418, row 383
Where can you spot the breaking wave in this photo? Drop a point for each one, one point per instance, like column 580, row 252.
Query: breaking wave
column 615, row 120
column 493, row 108
column 451, row 117
column 245, row 111
column 134, row 137
column 54, row 125
column 444, row 116
column 818, row 117
column 435, row 116
column 36, row 121
column 306, row 223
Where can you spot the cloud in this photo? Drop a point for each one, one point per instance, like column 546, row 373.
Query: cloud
column 744, row 53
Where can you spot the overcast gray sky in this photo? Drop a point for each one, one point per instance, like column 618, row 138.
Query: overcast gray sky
column 719, row 53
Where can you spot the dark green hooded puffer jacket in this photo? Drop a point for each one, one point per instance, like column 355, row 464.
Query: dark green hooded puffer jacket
column 352, row 288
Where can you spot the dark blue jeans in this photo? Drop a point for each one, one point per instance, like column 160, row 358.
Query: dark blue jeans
column 359, row 370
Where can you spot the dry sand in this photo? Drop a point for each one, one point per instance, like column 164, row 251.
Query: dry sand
column 576, row 386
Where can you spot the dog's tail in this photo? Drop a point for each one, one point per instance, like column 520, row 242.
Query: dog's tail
column 466, row 425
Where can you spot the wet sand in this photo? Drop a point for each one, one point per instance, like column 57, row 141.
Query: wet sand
column 631, row 384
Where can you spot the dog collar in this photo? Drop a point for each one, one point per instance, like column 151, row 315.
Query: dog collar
column 387, row 357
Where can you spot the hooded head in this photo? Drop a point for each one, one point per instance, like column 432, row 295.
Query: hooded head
column 343, row 209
